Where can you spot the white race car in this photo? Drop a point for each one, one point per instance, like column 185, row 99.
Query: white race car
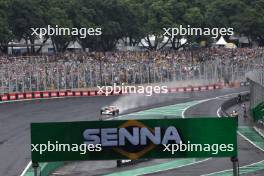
column 109, row 110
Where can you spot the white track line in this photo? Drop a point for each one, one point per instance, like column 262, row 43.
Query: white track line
column 251, row 142
column 259, row 132
column 26, row 168
column 205, row 100
column 218, row 112
column 185, row 109
column 231, row 169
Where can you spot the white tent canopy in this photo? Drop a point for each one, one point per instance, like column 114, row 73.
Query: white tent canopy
column 152, row 39
column 74, row 45
column 221, row 41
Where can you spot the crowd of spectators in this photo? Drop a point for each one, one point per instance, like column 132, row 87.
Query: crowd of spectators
column 82, row 70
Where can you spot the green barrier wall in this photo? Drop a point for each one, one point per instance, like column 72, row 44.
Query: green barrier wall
column 258, row 112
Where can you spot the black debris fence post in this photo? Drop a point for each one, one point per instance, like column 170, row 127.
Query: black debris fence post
column 236, row 117
column 234, row 160
column 101, row 74
column 35, row 166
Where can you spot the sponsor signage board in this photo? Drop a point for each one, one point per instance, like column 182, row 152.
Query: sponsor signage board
column 134, row 139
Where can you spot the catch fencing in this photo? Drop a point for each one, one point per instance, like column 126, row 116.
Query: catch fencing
column 71, row 75
column 256, row 79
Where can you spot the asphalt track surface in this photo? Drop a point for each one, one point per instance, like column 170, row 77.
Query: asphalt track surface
column 15, row 119
column 247, row 153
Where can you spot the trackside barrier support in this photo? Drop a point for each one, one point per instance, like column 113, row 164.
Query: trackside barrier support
column 54, row 94
column 35, row 168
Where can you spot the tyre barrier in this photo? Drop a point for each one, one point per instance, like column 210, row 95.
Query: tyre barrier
column 68, row 93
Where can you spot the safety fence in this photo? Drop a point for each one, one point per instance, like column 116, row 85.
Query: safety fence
column 256, row 79
column 87, row 93
column 62, row 75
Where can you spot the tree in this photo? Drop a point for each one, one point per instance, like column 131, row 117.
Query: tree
column 56, row 14
column 154, row 17
column 22, row 16
column 251, row 22
column 128, row 19
column 5, row 33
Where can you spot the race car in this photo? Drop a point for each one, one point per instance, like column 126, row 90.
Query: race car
column 109, row 110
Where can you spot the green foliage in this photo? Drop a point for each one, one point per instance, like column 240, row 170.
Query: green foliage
column 133, row 19
column 5, row 32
